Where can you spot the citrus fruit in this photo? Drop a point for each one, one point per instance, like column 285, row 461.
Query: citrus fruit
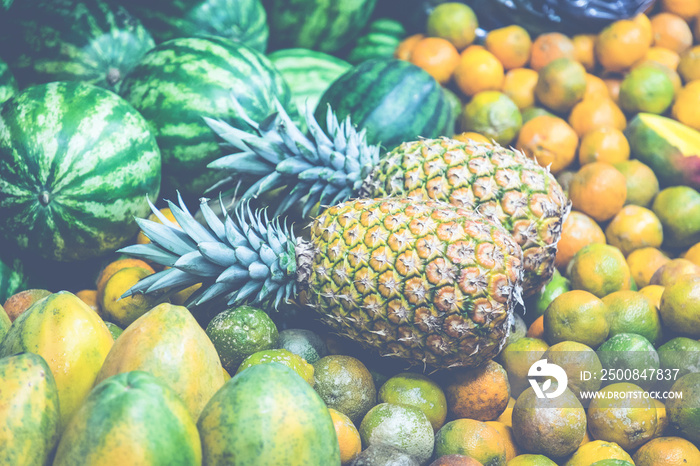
column 455, row 22
column 510, row 44
column 517, row 358
column 597, row 450
column 643, row 262
column 631, row 352
column 478, row 70
column 537, row 304
column 576, row 359
column 472, row 136
column 123, row 311
column 631, row 312
column 536, row 328
column 383, row 454
column 628, row 419
column 512, row 449
column 672, row 271
column 417, row 390
column 576, row 316
column 400, row 426
column 661, row 419
column 604, row 144
column 681, row 356
column 530, row 113
column 550, row 141
column 548, row 47
column 689, row 64
column 584, row 50
column 112, row 268
column 613, row 85
column 599, row 269
column 680, row 306
column 634, row 227
column 653, row 293
column 437, row 56
column 455, row 460
column 280, row 356
column 686, row 104
column 641, row 182
column 89, row 297
column 239, row 332
column 621, row 44
column 667, row 451
column 472, row 438
column 346, row 385
column 646, row 89
column 348, row 436
column 671, row 31
column 519, row 84
column 578, row 230
column 683, row 411
column 494, row 115
column 664, row 56
column 598, row 190
column 405, row 48
column 693, row 254
column 553, row 427
column 480, row 393
column 561, row 84
column 141, row 238
column 686, row 9
column 517, row 329
column 303, row 342
column 507, row 416
column 531, row 460
column 596, row 112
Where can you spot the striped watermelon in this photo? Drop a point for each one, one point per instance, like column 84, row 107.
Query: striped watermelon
column 12, row 278
column 182, row 80
column 380, row 41
column 8, row 85
column 395, row 101
column 325, row 25
column 76, row 164
column 71, row 40
column 240, row 20
column 308, row 73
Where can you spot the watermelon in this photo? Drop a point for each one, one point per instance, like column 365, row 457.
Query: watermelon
column 8, row 85
column 131, row 418
column 240, row 20
column 182, row 80
column 76, row 164
column 380, row 40
column 308, row 73
column 395, row 101
column 325, row 25
column 12, row 277
column 72, row 40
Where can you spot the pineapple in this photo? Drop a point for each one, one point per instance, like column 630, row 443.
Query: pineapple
column 331, row 167
column 425, row 281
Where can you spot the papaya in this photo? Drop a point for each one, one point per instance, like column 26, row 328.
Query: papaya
column 168, row 343
column 71, row 338
column 131, row 418
column 668, row 147
column 5, row 323
column 267, row 414
column 29, row 413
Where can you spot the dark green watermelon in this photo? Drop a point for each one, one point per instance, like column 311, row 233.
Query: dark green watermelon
column 240, row 20
column 394, row 100
column 71, row 40
column 8, row 85
column 379, row 41
column 183, row 80
column 12, row 277
column 325, row 25
column 76, row 164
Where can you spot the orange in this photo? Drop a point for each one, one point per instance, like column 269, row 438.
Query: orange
column 595, row 87
column 417, row 390
column 686, row 9
column 481, row 393
column 517, row 357
column 613, row 85
column 114, row 267
column 345, row 384
column 596, row 112
column 662, row 55
column 456, row 460
column 634, row 227
column 478, row 70
column 643, row 21
column 437, row 56
column 680, row 306
column 667, row 451
column 519, row 84
column 536, row 329
column 511, row 45
column 598, row 190
column 531, row 460
column 548, row 47
column 512, row 449
column 670, row 74
column 348, row 436
column 578, row 316
column 653, row 293
column 661, row 419
column 492, row 114
column 584, row 50
column 685, row 108
column 689, row 65
column 89, row 297
column 507, row 416
column 631, row 312
column 405, row 48
column 471, row 438
column 643, row 262
column 672, row 271
column 471, row 136
column 561, row 84
column 123, row 311
column 672, row 32
column 575, row 358
column 693, row 254
column 599, row 269
column 455, row 22
column 142, row 238
column 577, row 231
column 647, row 88
column 682, row 411
column 642, row 184
column 604, row 144
column 550, row 141
column 597, row 450
column 621, row 44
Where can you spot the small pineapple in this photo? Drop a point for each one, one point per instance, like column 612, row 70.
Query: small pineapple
column 427, row 282
column 329, row 168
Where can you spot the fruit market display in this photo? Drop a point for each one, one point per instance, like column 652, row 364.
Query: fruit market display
column 347, row 232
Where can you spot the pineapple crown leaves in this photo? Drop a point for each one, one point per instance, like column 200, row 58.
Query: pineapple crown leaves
column 244, row 257
column 324, row 168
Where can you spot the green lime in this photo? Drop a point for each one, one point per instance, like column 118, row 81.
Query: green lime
column 305, row 343
column 114, row 329
column 537, row 304
column 683, row 411
column 346, row 385
column 630, row 352
column 494, row 115
column 417, row 390
column 646, row 89
column 282, row 356
column 678, row 208
column 630, row 311
column 239, row 332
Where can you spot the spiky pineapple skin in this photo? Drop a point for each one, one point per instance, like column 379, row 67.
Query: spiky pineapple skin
column 428, row 282
column 501, row 184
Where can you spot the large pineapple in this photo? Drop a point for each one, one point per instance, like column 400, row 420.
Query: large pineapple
column 329, row 168
column 428, row 282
